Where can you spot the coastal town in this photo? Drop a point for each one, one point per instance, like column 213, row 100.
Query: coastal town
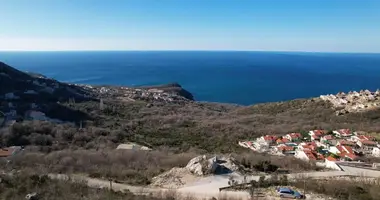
column 320, row 146
column 150, row 94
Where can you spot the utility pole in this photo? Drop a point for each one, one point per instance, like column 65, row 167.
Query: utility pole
column 110, row 184
column 101, row 104
column 304, row 187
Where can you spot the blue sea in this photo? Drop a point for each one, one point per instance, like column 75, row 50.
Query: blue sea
column 230, row 77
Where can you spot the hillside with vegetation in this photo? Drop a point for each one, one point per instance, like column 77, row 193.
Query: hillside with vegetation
column 94, row 120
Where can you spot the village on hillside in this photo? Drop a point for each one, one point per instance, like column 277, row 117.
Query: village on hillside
column 353, row 101
column 321, row 146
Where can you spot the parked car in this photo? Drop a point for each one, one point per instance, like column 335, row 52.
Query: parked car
column 289, row 193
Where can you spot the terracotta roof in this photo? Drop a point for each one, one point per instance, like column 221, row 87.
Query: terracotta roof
column 270, row 138
column 330, row 158
column 318, row 132
column 285, row 140
column 346, row 142
column 315, row 137
column 340, row 149
column 344, row 131
column 348, row 149
column 368, row 142
column 366, row 137
column 285, row 148
column 5, row 152
column 279, row 141
column 348, row 155
column 328, row 137
column 310, row 155
column 295, row 135
column 310, row 145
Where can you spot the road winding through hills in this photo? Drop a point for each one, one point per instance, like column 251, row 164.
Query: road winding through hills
column 208, row 187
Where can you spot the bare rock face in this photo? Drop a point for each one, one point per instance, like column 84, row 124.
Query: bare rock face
column 229, row 163
column 197, row 165
column 200, row 165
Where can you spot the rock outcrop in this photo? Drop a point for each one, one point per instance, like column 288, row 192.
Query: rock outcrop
column 200, row 165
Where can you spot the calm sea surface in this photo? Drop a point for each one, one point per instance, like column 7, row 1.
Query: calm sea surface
column 231, row 77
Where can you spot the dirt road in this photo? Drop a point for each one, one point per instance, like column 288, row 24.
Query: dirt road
column 208, row 187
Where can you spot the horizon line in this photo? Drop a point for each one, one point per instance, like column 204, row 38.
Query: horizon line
column 192, row 50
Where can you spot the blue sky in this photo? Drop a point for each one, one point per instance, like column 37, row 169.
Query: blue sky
column 264, row 25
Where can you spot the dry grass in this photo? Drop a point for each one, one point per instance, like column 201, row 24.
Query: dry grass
column 133, row 167
column 16, row 187
column 358, row 188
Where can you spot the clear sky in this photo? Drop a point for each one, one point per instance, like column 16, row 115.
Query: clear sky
column 269, row 25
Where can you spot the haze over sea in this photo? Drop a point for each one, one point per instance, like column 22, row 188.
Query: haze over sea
column 229, row 77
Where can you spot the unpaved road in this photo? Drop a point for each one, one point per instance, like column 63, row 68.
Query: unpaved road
column 208, row 187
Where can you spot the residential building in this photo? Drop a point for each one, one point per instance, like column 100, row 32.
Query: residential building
column 308, row 155
column 317, row 133
column 9, row 151
column 356, row 138
column 285, row 149
column 282, row 141
column 346, row 143
column 294, row 137
column 326, row 139
column 366, row 146
column 343, row 133
column 376, row 152
column 309, row 145
column 270, row 139
column 315, row 138
column 342, row 151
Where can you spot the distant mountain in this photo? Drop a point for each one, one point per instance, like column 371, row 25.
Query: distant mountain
column 22, row 84
column 22, row 91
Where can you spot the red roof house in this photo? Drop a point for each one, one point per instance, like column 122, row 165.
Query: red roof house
column 293, row 136
column 343, row 132
column 330, row 158
column 346, row 143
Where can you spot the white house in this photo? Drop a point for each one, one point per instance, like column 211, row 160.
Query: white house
column 367, row 146
column 300, row 154
column 334, row 150
column 343, row 133
column 270, row 139
column 293, row 136
column 376, row 152
column 330, row 163
column 357, row 138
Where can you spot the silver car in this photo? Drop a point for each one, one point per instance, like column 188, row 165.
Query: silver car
column 289, row 193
